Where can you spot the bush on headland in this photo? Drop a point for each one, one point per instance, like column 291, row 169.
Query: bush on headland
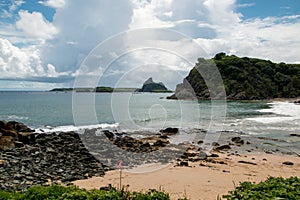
column 242, row 79
column 272, row 188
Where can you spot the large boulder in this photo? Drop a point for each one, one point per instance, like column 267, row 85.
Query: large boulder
column 169, row 131
column 7, row 142
column 20, row 127
column 12, row 132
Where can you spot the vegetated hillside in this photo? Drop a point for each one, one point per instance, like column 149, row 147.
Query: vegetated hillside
column 244, row 78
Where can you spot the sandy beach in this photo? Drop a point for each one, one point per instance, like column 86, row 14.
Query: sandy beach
column 202, row 179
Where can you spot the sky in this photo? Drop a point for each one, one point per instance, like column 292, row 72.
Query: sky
column 47, row 43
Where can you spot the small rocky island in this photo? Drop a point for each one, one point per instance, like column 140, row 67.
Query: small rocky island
column 151, row 86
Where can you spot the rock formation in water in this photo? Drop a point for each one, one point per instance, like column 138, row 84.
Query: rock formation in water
column 151, row 86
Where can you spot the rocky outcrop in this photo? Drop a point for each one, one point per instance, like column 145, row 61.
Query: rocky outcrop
column 49, row 159
column 151, row 86
column 138, row 145
column 13, row 133
column 169, row 131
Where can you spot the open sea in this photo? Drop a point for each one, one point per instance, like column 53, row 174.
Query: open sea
column 51, row 111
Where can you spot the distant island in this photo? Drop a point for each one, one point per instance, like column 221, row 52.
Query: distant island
column 97, row 89
column 244, row 79
column 148, row 86
column 151, row 86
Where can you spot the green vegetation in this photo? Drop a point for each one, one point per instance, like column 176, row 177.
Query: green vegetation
column 104, row 89
column 272, row 188
column 74, row 193
column 248, row 78
column 62, row 90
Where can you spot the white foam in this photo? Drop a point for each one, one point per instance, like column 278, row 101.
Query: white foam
column 16, row 117
column 284, row 111
column 49, row 129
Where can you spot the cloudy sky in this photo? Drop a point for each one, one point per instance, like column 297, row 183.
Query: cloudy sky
column 43, row 44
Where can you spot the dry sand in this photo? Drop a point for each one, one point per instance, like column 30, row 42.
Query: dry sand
column 202, row 182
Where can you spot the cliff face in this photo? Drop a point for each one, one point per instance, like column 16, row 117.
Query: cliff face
column 150, row 86
column 243, row 79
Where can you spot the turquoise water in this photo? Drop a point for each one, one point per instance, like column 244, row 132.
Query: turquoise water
column 42, row 110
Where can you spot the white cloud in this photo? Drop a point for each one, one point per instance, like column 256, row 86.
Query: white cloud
column 21, row 63
column 269, row 38
column 245, row 5
column 68, row 39
column 35, row 26
column 54, row 3
column 80, row 32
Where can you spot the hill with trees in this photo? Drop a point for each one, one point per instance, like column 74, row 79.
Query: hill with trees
column 243, row 78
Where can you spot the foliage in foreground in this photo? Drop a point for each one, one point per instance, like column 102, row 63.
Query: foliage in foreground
column 272, row 188
column 74, row 193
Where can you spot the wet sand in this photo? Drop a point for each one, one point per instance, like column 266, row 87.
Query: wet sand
column 202, row 179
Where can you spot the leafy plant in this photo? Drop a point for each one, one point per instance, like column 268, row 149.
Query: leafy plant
column 271, row 189
column 74, row 193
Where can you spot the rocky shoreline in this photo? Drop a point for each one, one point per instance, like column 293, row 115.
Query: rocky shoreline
column 45, row 159
column 28, row 158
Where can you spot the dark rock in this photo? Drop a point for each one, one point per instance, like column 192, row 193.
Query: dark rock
column 109, row 134
column 26, row 137
column 19, row 127
column 297, row 102
column 294, row 134
column 202, row 155
column 214, row 155
column 163, row 137
column 169, row 131
column 223, row 147
column 237, row 140
column 160, row 143
column 246, row 162
column 215, row 144
column 288, row 163
column 184, row 164
column 190, row 154
column 145, row 145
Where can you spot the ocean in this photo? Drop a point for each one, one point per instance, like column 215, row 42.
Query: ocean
column 56, row 111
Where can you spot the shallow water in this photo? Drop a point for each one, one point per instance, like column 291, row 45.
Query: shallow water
column 50, row 111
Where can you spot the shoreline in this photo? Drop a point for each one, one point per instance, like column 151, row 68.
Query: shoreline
column 202, row 180
column 191, row 170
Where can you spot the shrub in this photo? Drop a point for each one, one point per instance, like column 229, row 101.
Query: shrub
column 58, row 192
column 272, row 188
